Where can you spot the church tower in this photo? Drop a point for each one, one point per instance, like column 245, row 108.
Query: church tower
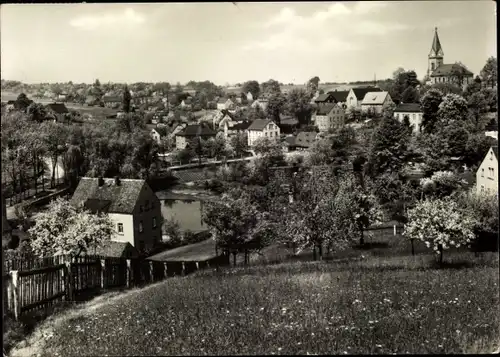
column 436, row 54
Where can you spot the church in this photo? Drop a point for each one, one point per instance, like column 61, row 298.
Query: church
column 438, row 72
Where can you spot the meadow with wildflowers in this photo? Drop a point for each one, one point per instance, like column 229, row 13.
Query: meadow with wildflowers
column 378, row 305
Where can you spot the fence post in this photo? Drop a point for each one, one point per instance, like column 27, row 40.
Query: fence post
column 15, row 293
column 183, row 269
column 151, row 275
column 197, row 266
column 68, row 280
column 129, row 268
column 103, row 274
column 165, row 271
column 394, row 229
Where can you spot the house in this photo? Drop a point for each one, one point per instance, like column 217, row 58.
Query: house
column 487, row 173
column 189, row 90
column 58, row 111
column 192, row 132
column 62, row 97
column 288, row 124
column 340, row 97
column 187, row 103
column 225, row 103
column 11, row 105
column 159, row 116
column 413, row 112
column 377, row 101
column 158, row 133
column 142, row 99
column 232, row 128
column 439, row 72
column 261, row 102
column 288, row 143
column 249, row 97
column 91, row 100
column 112, row 101
column 262, row 128
column 114, row 249
column 132, row 206
column 356, row 96
column 325, row 98
column 305, row 139
column 176, row 128
column 329, row 116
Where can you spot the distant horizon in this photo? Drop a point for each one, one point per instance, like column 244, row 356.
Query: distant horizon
column 227, row 43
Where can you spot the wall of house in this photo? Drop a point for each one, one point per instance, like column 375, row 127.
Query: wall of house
column 415, row 119
column 180, row 142
column 156, row 137
column 322, row 122
column 148, row 207
column 352, row 101
column 487, row 174
column 271, row 131
column 128, row 227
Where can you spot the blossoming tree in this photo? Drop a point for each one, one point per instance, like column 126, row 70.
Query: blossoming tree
column 440, row 224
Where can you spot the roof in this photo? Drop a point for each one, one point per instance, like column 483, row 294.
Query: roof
column 360, row 92
column 196, row 130
column 223, row 100
column 448, row 69
column 122, row 198
column 436, row 49
column 325, row 109
column 291, row 121
column 116, row 249
column 375, row 98
column 259, row 124
column 111, row 99
column 161, row 130
column 305, row 139
column 408, row 108
column 58, row 108
column 289, row 140
column 240, row 126
column 340, row 96
column 495, row 151
column 322, row 97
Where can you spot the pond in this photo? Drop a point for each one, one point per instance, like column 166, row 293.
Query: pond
column 185, row 211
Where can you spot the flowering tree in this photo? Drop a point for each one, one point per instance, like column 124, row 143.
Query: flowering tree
column 442, row 184
column 67, row 230
column 440, row 224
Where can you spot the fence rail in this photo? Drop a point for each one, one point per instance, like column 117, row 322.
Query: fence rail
column 39, row 284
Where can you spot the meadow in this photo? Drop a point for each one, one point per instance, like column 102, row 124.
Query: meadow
column 376, row 305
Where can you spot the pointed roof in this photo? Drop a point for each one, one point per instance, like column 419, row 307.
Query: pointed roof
column 436, row 50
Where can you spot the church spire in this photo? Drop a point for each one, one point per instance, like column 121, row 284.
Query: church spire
column 436, row 50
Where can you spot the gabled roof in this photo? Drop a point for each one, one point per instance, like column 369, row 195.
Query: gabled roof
column 305, row 139
column 223, row 100
column 361, row 91
column 259, row 124
column 408, row 108
column 243, row 125
column 495, row 151
column 326, row 109
column 322, row 97
column 340, row 96
column 58, row 108
column 122, row 198
column 196, row 130
column 114, row 249
column 436, row 49
column 161, row 130
column 290, row 141
column 448, row 69
column 372, row 98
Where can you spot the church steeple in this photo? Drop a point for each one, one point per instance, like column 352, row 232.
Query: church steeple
column 436, row 55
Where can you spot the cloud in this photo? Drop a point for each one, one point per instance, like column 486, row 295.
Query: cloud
column 323, row 30
column 92, row 22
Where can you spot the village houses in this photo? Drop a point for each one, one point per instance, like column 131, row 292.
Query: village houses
column 192, row 132
column 413, row 112
column 132, row 206
column 262, row 128
column 158, row 134
column 261, row 102
column 487, row 173
column 376, row 101
column 325, row 98
column 340, row 97
column 112, row 101
column 58, row 111
column 329, row 116
column 225, row 103
column 356, row 96
column 249, row 97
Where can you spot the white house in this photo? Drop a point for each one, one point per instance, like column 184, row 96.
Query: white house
column 413, row 112
column 262, row 103
column 158, row 133
column 329, row 116
column 249, row 97
column 487, row 173
column 356, row 96
column 262, row 128
column 225, row 103
column 132, row 206
column 377, row 101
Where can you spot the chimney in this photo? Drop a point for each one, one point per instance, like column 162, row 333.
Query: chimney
column 117, row 181
column 100, row 180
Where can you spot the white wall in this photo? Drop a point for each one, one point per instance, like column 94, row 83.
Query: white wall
column 128, row 227
column 486, row 180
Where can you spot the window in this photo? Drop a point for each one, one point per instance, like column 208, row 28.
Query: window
column 482, row 172
column 492, row 173
column 120, row 227
column 491, row 155
column 482, row 188
column 154, row 222
column 266, row 133
column 141, row 227
column 146, row 205
column 271, row 134
column 413, row 116
column 141, row 245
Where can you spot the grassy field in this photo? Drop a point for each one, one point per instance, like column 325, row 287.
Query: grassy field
column 375, row 306
column 193, row 252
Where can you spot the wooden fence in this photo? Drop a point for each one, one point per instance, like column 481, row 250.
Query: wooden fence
column 39, row 284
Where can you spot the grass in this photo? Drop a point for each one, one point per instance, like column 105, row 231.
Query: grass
column 378, row 305
column 193, row 252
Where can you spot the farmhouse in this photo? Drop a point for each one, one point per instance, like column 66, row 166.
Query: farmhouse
column 192, row 132
column 58, row 111
column 158, row 133
column 261, row 102
column 329, row 116
column 325, row 98
column 249, row 97
column 262, row 128
column 376, row 101
column 356, row 96
column 413, row 112
column 340, row 97
column 487, row 173
column 225, row 103
column 131, row 204
column 232, row 128
column 112, row 101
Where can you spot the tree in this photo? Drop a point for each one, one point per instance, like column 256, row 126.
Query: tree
column 410, row 95
column 452, row 108
column 489, row 72
column 476, row 149
column 353, row 115
column 252, row 87
column 299, row 105
column 276, row 104
column 442, row 184
column 430, row 105
column 36, row 112
column 55, row 135
column 270, row 87
column 126, row 99
column 239, row 144
column 313, row 85
column 22, row 102
column 64, row 229
column 440, row 224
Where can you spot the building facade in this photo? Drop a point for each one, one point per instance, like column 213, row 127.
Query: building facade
column 487, row 173
column 329, row 116
column 413, row 112
column 262, row 128
column 376, row 101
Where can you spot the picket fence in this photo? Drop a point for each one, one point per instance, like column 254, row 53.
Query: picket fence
column 40, row 284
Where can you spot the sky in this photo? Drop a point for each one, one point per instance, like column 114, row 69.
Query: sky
column 227, row 44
